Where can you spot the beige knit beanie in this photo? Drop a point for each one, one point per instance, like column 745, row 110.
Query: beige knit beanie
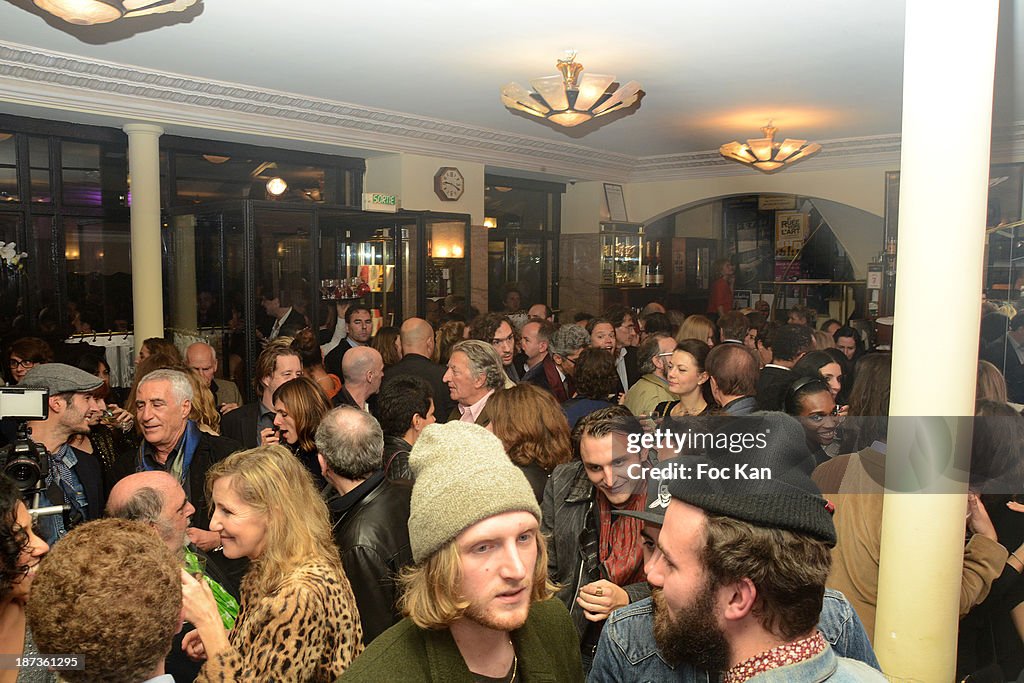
column 463, row 476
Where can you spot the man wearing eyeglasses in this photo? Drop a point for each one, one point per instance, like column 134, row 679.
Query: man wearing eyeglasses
column 567, row 343
column 652, row 387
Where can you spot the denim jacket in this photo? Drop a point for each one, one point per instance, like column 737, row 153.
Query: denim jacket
column 627, row 651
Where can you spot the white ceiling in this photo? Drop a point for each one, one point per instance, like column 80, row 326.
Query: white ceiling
column 712, row 71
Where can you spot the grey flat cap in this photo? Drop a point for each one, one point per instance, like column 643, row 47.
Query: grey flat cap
column 58, row 378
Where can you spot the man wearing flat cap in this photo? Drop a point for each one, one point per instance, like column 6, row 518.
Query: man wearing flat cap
column 75, row 478
column 740, row 567
column 477, row 602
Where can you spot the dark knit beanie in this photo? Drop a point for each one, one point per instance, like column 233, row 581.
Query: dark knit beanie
column 767, row 484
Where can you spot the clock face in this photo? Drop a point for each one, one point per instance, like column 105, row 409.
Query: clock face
column 449, row 183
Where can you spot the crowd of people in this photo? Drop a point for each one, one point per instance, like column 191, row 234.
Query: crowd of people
column 484, row 499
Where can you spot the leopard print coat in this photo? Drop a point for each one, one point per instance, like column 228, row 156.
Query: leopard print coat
column 308, row 630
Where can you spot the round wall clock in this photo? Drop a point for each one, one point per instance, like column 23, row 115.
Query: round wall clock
column 449, row 183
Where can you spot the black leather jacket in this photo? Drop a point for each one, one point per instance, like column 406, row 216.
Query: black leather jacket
column 371, row 530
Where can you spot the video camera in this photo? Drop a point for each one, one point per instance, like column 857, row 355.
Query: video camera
column 23, row 460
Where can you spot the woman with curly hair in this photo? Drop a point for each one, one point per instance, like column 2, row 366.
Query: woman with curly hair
column 300, row 404
column 20, row 553
column 534, row 431
column 597, row 384
column 298, row 620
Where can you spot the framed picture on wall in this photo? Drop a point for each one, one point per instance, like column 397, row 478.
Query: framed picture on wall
column 616, row 202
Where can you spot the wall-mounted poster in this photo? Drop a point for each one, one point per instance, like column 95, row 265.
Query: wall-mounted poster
column 741, row 299
column 790, row 233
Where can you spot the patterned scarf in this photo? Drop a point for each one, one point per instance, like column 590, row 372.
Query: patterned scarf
column 620, row 549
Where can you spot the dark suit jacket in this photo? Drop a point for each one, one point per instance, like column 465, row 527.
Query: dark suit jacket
column 545, row 375
column 772, row 386
column 423, row 367
column 332, row 361
column 632, row 367
column 240, row 424
column 292, row 320
column 90, row 474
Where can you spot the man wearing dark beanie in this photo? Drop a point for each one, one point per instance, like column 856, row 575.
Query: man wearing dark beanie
column 740, row 568
column 477, row 603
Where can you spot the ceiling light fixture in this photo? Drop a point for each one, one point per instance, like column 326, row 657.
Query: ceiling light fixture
column 216, row 158
column 765, row 154
column 276, row 186
column 570, row 98
column 89, row 12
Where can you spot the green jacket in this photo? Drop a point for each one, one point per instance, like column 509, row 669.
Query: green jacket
column 546, row 645
column 644, row 396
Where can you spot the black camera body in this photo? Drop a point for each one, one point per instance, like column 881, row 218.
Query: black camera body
column 23, row 460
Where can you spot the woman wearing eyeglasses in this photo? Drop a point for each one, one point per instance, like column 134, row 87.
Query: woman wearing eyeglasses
column 810, row 400
column 24, row 354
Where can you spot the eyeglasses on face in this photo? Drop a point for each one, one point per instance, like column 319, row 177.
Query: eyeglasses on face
column 26, row 364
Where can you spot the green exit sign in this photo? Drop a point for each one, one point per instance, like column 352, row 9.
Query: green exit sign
column 377, row 201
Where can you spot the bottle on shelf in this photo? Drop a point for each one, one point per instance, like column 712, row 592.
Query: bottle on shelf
column 658, row 268
column 648, row 268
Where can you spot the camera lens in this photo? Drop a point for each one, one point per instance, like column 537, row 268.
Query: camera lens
column 24, row 471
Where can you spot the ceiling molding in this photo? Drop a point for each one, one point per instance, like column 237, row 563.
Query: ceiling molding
column 33, row 77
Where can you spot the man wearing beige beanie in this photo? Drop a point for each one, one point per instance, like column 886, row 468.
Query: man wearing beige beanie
column 477, row 602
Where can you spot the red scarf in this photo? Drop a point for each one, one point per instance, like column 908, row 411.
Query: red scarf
column 620, row 549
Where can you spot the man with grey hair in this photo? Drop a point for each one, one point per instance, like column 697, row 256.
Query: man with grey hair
column 363, row 369
column 156, row 499
column 652, row 387
column 565, row 347
column 474, row 374
column 174, row 444
column 369, row 513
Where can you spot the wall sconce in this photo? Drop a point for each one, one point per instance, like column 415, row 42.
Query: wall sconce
column 72, row 249
column 6, row 136
column 490, row 222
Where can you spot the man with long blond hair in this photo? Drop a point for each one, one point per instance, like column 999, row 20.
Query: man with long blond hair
column 477, row 602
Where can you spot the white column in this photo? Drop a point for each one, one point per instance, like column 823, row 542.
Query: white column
column 949, row 61
column 147, row 280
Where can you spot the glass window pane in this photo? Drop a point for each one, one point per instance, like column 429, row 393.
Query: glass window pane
column 39, row 169
column 11, row 278
column 99, row 274
column 518, row 209
column 213, row 177
column 8, row 168
column 283, row 264
column 42, row 268
column 94, row 175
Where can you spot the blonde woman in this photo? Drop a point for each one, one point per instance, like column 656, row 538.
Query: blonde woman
column 298, row 620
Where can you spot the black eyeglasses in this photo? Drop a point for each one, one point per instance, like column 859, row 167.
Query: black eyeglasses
column 14, row 363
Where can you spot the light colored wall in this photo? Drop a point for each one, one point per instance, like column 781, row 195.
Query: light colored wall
column 411, row 177
column 703, row 220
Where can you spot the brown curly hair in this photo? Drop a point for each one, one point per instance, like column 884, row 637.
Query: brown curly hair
column 110, row 591
column 531, row 425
